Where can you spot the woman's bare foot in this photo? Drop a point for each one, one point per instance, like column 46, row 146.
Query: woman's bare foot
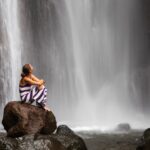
column 46, row 108
column 40, row 87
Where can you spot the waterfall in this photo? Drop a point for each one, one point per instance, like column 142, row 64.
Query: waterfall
column 10, row 51
column 104, row 33
column 89, row 53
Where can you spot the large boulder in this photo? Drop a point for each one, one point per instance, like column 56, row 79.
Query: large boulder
column 21, row 118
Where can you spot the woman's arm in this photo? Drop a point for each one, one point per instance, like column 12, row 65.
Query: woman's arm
column 34, row 78
column 30, row 81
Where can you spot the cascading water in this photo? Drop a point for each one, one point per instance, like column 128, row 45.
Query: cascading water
column 102, row 41
column 87, row 51
column 10, row 51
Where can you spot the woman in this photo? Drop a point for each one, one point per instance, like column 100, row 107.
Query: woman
column 31, row 88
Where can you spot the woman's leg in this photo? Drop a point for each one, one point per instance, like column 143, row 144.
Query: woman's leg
column 41, row 98
column 27, row 98
column 34, row 91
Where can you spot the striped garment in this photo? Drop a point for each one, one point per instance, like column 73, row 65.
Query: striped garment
column 31, row 93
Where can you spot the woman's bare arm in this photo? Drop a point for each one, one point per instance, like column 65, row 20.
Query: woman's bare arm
column 34, row 78
column 30, row 81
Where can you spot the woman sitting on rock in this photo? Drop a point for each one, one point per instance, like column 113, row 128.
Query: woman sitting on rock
column 31, row 88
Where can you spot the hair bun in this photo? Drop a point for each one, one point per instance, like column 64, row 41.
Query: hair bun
column 23, row 75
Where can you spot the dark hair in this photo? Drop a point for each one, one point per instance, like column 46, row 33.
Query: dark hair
column 26, row 69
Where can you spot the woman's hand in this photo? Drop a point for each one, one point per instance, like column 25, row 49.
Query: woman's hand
column 42, row 82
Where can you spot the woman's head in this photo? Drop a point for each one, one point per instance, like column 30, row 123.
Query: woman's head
column 26, row 70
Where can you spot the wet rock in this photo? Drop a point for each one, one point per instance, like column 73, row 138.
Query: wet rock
column 141, row 147
column 21, row 118
column 39, row 142
column 69, row 139
column 31, row 142
column 64, row 130
column 63, row 139
column 7, row 143
column 145, row 141
column 146, row 135
column 123, row 127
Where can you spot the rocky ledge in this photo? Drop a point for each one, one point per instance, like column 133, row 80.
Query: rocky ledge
column 31, row 128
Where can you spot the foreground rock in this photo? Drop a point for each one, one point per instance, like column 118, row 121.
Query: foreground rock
column 69, row 139
column 145, row 141
column 21, row 119
column 30, row 142
column 63, row 139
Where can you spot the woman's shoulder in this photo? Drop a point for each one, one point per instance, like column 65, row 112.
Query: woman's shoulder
column 26, row 78
column 32, row 76
column 22, row 82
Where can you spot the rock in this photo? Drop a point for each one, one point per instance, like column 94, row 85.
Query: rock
column 7, row 143
column 31, row 142
column 64, row 130
column 146, row 135
column 145, row 141
column 21, row 118
column 29, row 127
column 63, row 139
column 69, row 139
column 141, row 147
column 123, row 127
